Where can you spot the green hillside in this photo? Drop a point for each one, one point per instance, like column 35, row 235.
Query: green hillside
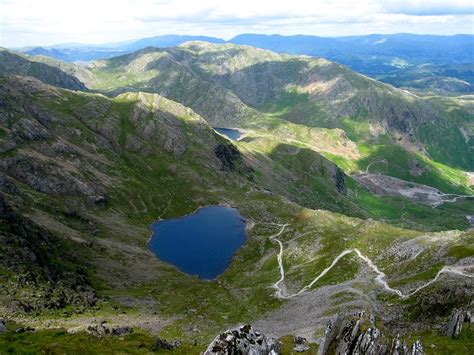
column 83, row 174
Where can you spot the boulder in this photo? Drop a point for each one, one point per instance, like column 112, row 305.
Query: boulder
column 3, row 327
column 163, row 344
column 101, row 329
column 24, row 330
column 244, row 340
column 119, row 331
column 417, row 348
column 300, row 345
column 399, row 347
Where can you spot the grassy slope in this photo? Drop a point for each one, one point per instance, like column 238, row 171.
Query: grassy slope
column 307, row 91
column 199, row 67
column 144, row 187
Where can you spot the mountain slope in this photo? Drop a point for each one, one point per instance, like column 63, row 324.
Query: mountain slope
column 398, row 59
column 282, row 154
column 245, row 87
column 84, row 168
column 73, row 162
column 403, row 60
column 261, row 91
column 13, row 64
column 84, row 175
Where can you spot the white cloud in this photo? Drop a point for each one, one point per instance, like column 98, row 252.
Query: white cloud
column 33, row 22
column 429, row 8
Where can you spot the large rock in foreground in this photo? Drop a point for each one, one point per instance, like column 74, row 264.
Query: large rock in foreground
column 243, row 340
column 357, row 335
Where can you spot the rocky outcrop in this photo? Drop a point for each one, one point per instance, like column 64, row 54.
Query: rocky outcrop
column 453, row 326
column 358, row 335
column 3, row 327
column 48, row 274
column 369, row 343
column 399, row 347
column 163, row 344
column 339, row 179
column 50, row 178
column 243, row 340
column 29, row 130
column 7, row 185
column 228, row 154
column 13, row 64
column 417, row 348
column 101, row 329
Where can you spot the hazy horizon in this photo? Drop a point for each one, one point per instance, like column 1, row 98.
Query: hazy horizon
column 72, row 44
column 52, row 22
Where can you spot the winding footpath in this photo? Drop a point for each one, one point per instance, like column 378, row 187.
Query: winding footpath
column 380, row 278
column 452, row 200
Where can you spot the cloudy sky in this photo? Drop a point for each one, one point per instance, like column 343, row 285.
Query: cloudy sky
column 46, row 22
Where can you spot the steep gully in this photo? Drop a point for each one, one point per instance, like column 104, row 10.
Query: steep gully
column 380, row 278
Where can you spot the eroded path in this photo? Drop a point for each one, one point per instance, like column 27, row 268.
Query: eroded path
column 380, row 278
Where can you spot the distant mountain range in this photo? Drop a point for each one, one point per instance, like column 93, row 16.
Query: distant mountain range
column 72, row 52
column 423, row 62
column 410, row 47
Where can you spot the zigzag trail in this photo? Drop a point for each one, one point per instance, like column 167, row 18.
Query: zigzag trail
column 380, row 278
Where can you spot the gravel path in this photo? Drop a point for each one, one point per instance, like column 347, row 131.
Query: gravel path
column 380, row 278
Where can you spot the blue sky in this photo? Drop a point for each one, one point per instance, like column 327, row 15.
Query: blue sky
column 46, row 22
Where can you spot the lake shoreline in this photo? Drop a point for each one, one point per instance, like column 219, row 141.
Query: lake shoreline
column 210, row 249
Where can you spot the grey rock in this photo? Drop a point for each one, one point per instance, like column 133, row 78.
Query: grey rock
column 50, row 178
column 399, row 347
column 163, row 344
column 63, row 149
column 121, row 330
column 173, row 141
column 100, row 200
column 453, row 326
column 30, row 130
column 417, row 348
column 101, row 329
column 7, row 144
column 7, row 185
column 370, row 343
column 300, row 345
column 13, row 64
column 24, row 330
column 300, row 348
column 228, row 154
column 330, row 333
column 339, row 178
column 244, row 340
column 348, row 336
column 3, row 328
column 469, row 317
